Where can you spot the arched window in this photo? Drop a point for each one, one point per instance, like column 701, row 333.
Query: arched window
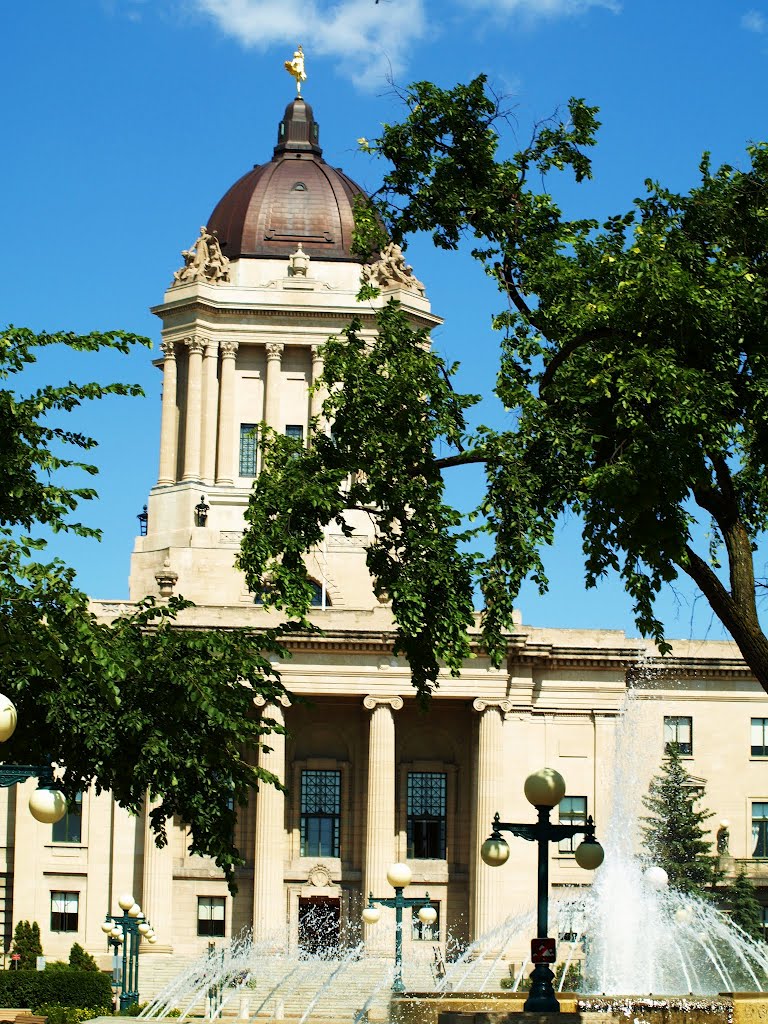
column 299, row 187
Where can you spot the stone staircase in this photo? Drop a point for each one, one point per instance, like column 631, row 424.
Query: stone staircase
column 288, row 989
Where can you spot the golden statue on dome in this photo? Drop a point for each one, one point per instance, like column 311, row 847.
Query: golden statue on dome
column 295, row 69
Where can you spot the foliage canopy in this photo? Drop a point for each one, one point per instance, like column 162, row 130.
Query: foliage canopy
column 139, row 705
column 633, row 367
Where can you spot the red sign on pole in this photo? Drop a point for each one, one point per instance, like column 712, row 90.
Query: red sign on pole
column 543, row 951
column 16, row 956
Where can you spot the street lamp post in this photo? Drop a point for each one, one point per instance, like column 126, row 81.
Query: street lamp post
column 47, row 804
column 544, row 789
column 127, row 930
column 399, row 876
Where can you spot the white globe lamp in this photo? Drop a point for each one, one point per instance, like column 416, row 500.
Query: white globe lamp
column 144, row 928
column 495, row 851
column 106, row 927
column 589, row 855
column 7, row 718
column 427, row 915
column 656, row 877
column 371, row 915
column 47, row 806
column 544, row 788
column 399, row 875
column 126, row 901
column 135, row 911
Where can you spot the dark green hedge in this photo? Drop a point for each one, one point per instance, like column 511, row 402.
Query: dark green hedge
column 68, row 988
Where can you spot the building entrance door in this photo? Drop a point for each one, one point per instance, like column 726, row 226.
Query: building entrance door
column 319, row 919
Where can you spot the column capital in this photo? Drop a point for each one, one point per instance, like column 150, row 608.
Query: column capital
column 229, row 349
column 275, row 350
column 168, row 348
column 195, row 344
column 371, row 701
column 482, row 703
column 261, row 702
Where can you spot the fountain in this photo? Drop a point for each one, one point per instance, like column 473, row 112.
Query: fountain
column 628, row 934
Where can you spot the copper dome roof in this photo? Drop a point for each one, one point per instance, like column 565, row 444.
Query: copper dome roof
column 296, row 197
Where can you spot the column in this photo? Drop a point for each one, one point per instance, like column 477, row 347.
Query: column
column 194, row 418
column 485, row 911
column 380, row 813
column 318, row 396
column 269, row 907
column 157, row 885
column 168, row 424
column 272, row 387
column 210, row 411
column 225, row 473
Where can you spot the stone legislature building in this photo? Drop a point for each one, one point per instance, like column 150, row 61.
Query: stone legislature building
column 370, row 779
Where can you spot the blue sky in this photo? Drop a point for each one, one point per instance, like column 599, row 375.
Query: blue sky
column 126, row 120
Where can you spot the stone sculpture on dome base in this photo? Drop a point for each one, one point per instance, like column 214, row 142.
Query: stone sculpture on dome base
column 203, row 261
column 391, row 271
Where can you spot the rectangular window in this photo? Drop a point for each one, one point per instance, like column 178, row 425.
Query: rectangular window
column 64, row 911
column 678, row 729
column 210, row 916
column 760, row 829
column 69, row 828
column 764, row 913
column 320, row 813
column 426, row 815
column 427, row 932
column 573, row 811
column 760, row 737
column 248, row 449
column 295, row 430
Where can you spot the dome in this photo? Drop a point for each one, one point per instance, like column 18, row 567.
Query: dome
column 295, row 198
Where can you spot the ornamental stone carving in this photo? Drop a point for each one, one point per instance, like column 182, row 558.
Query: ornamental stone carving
column 229, row 349
column 371, row 701
column 195, row 346
column 320, row 877
column 391, row 271
column 203, row 261
column 481, row 703
column 275, row 350
column 166, row 580
column 261, row 701
column 168, row 348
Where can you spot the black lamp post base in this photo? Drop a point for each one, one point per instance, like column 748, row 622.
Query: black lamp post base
column 541, row 998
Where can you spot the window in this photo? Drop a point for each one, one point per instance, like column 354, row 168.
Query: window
column 210, row 916
column 427, row 932
column 64, row 911
column 295, row 430
column 764, row 913
column 760, row 829
column 678, row 729
column 320, row 812
column 426, row 815
column 69, row 828
column 248, row 449
column 760, row 737
column 573, row 811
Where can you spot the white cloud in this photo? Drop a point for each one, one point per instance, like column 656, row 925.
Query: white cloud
column 754, row 21
column 369, row 39
column 540, row 9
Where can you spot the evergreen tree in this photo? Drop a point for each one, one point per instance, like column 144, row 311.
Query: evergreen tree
column 26, row 942
column 746, row 911
column 674, row 832
column 80, row 960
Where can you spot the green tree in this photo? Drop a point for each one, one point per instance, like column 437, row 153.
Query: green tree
column 141, row 704
column 27, row 944
column 746, row 910
column 633, row 370
column 674, row 832
column 80, row 960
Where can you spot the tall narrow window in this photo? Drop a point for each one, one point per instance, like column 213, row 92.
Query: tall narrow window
column 248, row 449
column 573, row 811
column 320, row 813
column 760, row 829
column 678, row 730
column 764, row 916
column 426, row 815
column 760, row 737
column 69, row 829
column 64, row 911
column 210, row 915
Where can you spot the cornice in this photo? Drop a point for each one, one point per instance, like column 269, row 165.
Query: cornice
column 164, row 310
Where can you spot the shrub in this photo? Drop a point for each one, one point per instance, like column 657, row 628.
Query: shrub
column 80, row 960
column 64, row 988
column 58, row 1014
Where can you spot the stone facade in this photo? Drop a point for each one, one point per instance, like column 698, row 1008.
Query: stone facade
column 243, row 348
